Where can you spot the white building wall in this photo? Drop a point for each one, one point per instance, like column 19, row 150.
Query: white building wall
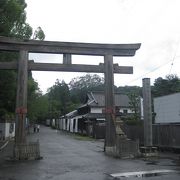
column 10, row 130
column 100, row 110
column 53, row 124
column 96, row 110
column 128, row 110
column 7, row 130
column 167, row 109
column 77, row 121
column 71, row 124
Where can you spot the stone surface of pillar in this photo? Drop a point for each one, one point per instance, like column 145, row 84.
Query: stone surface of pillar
column 110, row 139
column 21, row 98
column 147, row 112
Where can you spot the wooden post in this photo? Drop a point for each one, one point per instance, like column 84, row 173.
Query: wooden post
column 147, row 112
column 21, row 98
column 109, row 105
column 67, row 59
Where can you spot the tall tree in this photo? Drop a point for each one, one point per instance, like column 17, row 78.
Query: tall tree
column 79, row 86
column 13, row 19
column 12, row 24
column 59, row 99
column 37, row 103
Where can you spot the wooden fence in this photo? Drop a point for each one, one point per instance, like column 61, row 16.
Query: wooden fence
column 164, row 136
column 28, row 151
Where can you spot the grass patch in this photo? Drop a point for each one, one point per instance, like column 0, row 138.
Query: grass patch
column 83, row 138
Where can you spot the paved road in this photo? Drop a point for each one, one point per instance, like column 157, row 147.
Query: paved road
column 68, row 158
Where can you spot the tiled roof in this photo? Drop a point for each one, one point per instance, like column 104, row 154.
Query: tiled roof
column 98, row 99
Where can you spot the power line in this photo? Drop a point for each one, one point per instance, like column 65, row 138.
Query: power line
column 172, row 63
column 140, row 77
column 174, row 57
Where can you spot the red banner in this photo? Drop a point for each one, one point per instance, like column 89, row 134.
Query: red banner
column 21, row 110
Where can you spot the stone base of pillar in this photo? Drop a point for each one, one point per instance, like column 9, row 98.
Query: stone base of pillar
column 124, row 148
column 148, row 151
column 27, row 151
column 110, row 151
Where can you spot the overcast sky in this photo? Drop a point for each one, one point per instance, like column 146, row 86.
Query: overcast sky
column 153, row 23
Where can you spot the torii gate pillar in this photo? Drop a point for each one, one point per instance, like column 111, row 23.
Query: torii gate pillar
column 21, row 98
column 116, row 144
column 109, row 104
column 23, row 150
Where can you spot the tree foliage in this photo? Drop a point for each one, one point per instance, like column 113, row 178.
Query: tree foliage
column 129, row 90
column 37, row 103
column 13, row 21
column 169, row 85
column 64, row 98
column 13, row 24
column 39, row 34
column 59, row 99
column 79, row 86
column 135, row 105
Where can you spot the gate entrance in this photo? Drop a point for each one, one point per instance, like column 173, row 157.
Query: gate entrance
column 67, row 49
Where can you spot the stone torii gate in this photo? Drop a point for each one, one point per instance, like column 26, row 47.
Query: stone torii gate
column 67, row 49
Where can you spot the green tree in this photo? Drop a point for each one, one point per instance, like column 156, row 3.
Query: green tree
column 169, row 85
column 129, row 90
column 59, row 99
column 13, row 24
column 135, row 105
column 39, row 34
column 13, row 19
column 79, row 86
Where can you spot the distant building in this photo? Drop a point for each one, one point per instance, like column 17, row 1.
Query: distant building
column 94, row 106
column 7, row 130
column 89, row 118
column 167, row 122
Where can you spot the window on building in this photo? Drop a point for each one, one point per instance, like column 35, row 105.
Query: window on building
column 125, row 111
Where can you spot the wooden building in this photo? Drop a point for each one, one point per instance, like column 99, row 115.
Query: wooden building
column 89, row 119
